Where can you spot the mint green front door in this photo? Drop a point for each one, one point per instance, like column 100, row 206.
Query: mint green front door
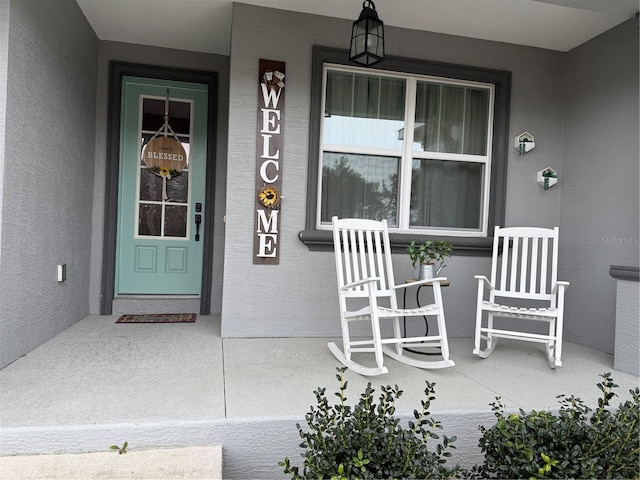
column 161, row 209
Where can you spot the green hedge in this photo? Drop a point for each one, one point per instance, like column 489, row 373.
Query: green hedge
column 366, row 441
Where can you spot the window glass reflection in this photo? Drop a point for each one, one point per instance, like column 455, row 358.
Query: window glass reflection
column 150, row 186
column 149, row 220
column 178, row 188
column 446, row 194
column 175, row 221
column 451, row 119
column 360, row 186
column 153, row 115
column 364, row 110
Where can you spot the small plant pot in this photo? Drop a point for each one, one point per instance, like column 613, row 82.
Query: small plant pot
column 427, row 271
column 547, row 177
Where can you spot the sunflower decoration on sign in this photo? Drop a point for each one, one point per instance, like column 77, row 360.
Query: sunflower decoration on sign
column 164, row 172
column 270, row 197
column 164, row 155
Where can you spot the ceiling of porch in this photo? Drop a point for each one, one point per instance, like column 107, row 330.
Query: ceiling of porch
column 205, row 25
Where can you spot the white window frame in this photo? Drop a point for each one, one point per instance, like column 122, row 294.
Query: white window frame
column 407, row 154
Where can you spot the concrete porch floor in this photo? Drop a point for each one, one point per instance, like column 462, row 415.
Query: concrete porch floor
column 180, row 385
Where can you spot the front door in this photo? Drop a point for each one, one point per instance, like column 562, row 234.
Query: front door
column 163, row 143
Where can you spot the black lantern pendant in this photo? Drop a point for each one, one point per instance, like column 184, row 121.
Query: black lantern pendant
column 367, row 37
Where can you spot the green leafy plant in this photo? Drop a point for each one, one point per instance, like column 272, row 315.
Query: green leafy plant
column 522, row 149
column 122, row 449
column 366, row 441
column 574, row 443
column 547, row 174
column 428, row 252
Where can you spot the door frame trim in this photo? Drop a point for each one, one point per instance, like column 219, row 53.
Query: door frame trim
column 117, row 70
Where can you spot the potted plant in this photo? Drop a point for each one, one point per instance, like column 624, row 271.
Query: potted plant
column 426, row 255
column 546, row 175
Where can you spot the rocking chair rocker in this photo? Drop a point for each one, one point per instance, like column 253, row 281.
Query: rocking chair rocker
column 367, row 293
column 522, row 288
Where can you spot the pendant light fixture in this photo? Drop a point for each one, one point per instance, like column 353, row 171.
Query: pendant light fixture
column 367, row 37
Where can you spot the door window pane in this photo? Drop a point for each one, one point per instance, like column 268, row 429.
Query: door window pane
column 359, row 186
column 150, row 219
column 153, row 115
column 178, row 188
column 168, row 189
column 150, row 186
column 175, row 224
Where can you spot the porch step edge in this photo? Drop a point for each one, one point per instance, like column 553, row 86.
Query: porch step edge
column 169, row 463
column 251, row 444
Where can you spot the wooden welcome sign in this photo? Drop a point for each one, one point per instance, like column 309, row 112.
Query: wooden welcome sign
column 266, row 242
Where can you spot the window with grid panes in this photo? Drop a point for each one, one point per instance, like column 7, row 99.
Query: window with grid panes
column 413, row 149
column 421, row 144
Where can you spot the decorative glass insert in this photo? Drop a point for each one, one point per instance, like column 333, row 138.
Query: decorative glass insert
column 158, row 217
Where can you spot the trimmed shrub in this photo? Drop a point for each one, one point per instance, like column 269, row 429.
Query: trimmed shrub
column 574, row 443
column 366, row 441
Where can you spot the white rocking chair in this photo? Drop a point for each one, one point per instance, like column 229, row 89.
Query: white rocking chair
column 367, row 292
column 521, row 287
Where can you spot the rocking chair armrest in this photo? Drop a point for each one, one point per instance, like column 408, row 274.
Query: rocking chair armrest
column 482, row 278
column 358, row 283
column 559, row 284
column 419, row 283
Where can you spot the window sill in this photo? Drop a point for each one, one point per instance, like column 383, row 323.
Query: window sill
column 322, row 240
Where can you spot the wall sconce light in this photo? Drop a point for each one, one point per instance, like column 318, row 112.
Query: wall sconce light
column 367, row 37
column 524, row 143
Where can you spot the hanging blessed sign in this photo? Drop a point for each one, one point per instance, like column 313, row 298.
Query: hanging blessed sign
column 164, row 155
column 266, row 242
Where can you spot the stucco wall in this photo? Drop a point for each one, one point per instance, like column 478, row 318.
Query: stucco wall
column 4, row 50
column 140, row 54
column 48, row 172
column 297, row 297
column 600, row 205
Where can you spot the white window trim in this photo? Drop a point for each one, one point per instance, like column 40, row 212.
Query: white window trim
column 407, row 154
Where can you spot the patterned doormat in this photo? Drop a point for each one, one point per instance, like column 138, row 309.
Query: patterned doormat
column 158, row 318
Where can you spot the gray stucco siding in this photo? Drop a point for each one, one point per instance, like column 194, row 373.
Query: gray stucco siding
column 297, row 297
column 600, row 207
column 48, row 172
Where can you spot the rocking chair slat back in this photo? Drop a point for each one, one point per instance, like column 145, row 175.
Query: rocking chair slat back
column 522, row 268
column 524, row 286
column 362, row 255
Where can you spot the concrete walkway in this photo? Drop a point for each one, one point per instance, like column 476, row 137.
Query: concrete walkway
column 204, row 463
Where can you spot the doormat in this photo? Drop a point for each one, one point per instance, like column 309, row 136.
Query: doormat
column 158, row 318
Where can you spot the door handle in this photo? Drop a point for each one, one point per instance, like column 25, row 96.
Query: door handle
column 198, row 222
